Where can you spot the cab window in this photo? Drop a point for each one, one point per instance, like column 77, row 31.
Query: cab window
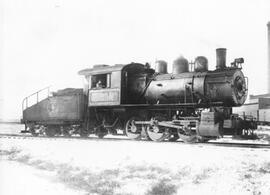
column 100, row 81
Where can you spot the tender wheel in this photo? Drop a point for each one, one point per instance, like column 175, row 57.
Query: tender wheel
column 32, row 129
column 157, row 133
column 133, row 131
column 51, row 130
column 83, row 132
column 67, row 131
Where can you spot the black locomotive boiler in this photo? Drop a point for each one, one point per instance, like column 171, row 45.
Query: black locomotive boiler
column 191, row 104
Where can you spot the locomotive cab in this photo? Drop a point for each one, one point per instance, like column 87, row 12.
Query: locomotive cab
column 116, row 85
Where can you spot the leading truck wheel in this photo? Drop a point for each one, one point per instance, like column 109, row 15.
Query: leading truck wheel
column 132, row 130
column 188, row 136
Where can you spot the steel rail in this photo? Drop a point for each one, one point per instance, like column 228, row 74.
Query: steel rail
column 200, row 144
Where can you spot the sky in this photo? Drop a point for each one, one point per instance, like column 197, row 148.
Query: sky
column 45, row 43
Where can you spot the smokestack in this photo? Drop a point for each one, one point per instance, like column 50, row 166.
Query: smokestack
column 268, row 55
column 221, row 58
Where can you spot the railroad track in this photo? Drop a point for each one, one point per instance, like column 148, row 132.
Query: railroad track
column 210, row 143
column 239, row 145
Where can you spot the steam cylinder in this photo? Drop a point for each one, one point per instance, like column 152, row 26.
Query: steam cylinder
column 221, row 58
column 161, row 67
column 201, row 64
column 180, row 65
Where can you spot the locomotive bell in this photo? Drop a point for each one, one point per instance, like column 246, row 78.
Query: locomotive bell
column 180, row 65
column 221, row 58
column 161, row 67
column 201, row 64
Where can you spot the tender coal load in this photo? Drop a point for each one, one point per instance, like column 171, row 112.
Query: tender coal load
column 68, row 91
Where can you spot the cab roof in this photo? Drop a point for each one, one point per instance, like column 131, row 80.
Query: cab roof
column 103, row 69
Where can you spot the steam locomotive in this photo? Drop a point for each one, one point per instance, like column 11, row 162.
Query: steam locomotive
column 193, row 105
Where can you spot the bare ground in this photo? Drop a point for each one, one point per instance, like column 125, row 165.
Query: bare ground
column 130, row 167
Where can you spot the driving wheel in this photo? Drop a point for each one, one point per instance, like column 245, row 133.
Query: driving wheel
column 132, row 130
column 156, row 133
